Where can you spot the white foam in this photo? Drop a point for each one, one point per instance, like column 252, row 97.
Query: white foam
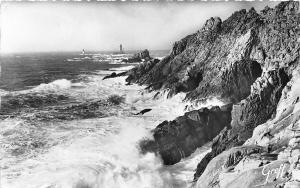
column 54, row 86
column 125, row 68
column 3, row 92
column 191, row 105
column 102, row 153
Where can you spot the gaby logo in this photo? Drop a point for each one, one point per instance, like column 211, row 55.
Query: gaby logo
column 277, row 172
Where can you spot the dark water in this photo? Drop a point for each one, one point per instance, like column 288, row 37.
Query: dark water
column 18, row 72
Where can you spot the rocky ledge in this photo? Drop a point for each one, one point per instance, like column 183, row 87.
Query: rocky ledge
column 250, row 60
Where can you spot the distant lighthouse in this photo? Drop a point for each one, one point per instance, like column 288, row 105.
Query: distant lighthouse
column 121, row 49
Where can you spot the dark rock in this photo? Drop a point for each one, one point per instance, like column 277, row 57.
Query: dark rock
column 174, row 140
column 235, row 81
column 114, row 75
column 141, row 69
column 202, row 165
column 143, row 55
column 143, row 111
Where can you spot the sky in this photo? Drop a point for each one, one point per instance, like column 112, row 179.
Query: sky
column 103, row 26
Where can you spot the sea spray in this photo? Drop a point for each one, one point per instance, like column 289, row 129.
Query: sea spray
column 54, row 86
column 95, row 152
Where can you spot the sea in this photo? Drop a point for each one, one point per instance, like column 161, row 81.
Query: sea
column 63, row 126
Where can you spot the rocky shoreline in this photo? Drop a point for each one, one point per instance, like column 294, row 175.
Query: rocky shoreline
column 249, row 61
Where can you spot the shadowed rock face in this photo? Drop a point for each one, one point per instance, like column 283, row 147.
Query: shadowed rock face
column 177, row 139
column 135, row 74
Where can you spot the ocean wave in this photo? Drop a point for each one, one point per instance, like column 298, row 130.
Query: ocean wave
column 60, row 84
column 208, row 103
column 125, row 68
column 15, row 102
column 89, row 151
column 99, row 153
column 3, row 92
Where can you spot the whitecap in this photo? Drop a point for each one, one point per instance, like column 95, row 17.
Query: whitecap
column 3, row 92
column 60, row 84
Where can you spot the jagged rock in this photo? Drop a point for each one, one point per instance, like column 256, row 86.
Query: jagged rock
column 142, row 55
column 177, row 139
column 198, row 63
column 139, row 70
column 139, row 57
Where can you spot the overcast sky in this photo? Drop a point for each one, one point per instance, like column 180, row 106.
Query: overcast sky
column 32, row 27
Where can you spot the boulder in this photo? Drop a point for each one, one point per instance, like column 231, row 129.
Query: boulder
column 174, row 140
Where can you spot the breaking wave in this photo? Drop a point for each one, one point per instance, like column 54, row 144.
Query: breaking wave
column 92, row 152
column 54, row 86
column 3, row 92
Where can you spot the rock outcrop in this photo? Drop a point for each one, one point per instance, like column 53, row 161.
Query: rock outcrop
column 247, row 60
column 114, row 75
column 174, row 140
column 139, row 57
column 137, row 72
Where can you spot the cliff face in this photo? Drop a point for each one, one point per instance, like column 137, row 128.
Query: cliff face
column 249, row 60
column 266, row 91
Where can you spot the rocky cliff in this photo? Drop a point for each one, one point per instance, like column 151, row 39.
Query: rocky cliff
column 249, row 60
column 224, row 58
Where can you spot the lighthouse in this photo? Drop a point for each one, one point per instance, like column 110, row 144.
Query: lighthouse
column 121, row 49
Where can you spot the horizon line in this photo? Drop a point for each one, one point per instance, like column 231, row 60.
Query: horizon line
column 70, row 51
